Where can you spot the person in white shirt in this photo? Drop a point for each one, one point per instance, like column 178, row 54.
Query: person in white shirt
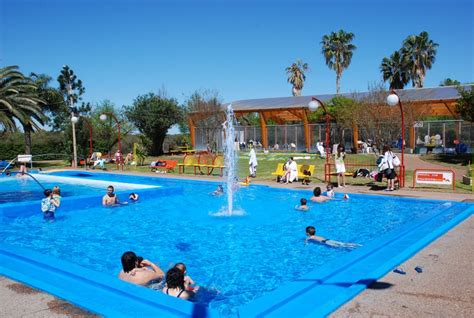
column 291, row 173
column 389, row 172
column 253, row 161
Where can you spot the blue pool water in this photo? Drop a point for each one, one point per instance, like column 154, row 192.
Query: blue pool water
column 237, row 259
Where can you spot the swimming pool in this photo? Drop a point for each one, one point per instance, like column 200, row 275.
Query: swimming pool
column 252, row 264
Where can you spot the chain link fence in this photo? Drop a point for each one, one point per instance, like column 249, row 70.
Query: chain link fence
column 446, row 133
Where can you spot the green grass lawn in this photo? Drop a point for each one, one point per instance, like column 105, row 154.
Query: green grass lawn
column 267, row 164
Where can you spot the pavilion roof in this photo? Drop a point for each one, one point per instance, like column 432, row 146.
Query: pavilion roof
column 435, row 94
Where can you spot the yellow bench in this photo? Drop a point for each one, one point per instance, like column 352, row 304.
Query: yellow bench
column 279, row 170
column 188, row 161
column 217, row 163
column 302, row 168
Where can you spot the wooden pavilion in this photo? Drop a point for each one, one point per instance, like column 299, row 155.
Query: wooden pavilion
column 437, row 101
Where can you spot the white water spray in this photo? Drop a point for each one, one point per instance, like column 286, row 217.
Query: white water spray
column 230, row 158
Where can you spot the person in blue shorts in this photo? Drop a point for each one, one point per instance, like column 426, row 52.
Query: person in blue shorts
column 48, row 205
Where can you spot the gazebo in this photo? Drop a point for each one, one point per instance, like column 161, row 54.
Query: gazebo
column 437, row 101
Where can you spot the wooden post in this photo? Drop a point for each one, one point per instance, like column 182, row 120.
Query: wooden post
column 263, row 127
column 355, row 137
column 307, row 133
column 412, row 138
column 192, row 132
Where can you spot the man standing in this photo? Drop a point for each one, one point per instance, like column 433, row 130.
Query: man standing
column 253, row 161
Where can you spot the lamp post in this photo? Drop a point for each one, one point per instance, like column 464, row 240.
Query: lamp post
column 313, row 105
column 74, row 120
column 392, row 100
column 103, row 117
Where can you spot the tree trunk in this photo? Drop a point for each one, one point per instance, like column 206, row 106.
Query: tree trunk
column 296, row 92
column 157, row 145
column 338, row 84
column 27, row 136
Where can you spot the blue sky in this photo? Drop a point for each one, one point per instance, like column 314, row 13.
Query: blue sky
column 121, row 49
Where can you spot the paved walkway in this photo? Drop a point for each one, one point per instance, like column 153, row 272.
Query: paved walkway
column 445, row 288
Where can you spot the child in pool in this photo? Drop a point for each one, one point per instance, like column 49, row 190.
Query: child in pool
column 188, row 282
column 311, row 237
column 302, row 206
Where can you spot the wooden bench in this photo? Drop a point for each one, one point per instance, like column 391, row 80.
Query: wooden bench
column 182, row 149
column 217, row 163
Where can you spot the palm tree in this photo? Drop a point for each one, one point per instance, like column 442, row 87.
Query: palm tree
column 19, row 100
column 420, row 52
column 395, row 70
column 296, row 76
column 337, row 50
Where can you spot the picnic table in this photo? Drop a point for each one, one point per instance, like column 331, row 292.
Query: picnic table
column 182, row 149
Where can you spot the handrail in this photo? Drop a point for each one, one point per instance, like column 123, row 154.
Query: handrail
column 8, row 165
column 35, row 180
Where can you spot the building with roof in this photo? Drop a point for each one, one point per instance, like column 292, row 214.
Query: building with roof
column 434, row 102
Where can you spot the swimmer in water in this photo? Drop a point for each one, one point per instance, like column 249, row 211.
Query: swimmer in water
column 302, row 206
column 311, row 237
column 219, row 191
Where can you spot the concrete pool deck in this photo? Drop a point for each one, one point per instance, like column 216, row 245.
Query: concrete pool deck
column 444, row 288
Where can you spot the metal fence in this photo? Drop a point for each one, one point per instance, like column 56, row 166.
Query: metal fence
column 291, row 137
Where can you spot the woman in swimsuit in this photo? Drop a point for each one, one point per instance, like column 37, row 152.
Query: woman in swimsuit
column 175, row 284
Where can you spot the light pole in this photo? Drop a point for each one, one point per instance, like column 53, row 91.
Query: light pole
column 313, row 105
column 103, row 117
column 74, row 120
column 392, row 100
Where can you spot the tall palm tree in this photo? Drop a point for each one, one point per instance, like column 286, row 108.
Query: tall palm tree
column 296, row 76
column 420, row 53
column 337, row 50
column 395, row 70
column 19, row 100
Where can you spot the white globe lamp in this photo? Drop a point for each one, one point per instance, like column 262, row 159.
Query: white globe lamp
column 103, row 117
column 313, row 105
column 392, row 99
column 74, row 119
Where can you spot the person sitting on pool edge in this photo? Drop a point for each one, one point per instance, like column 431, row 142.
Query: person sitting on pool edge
column 175, row 284
column 302, row 206
column 318, row 197
column 311, row 237
column 111, row 198
column 139, row 271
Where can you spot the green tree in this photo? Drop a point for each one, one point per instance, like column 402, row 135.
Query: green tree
column 207, row 106
column 153, row 115
column 71, row 89
column 296, row 76
column 420, row 53
column 449, row 82
column 19, row 100
column 52, row 97
column 106, row 132
column 465, row 103
column 395, row 70
column 338, row 50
